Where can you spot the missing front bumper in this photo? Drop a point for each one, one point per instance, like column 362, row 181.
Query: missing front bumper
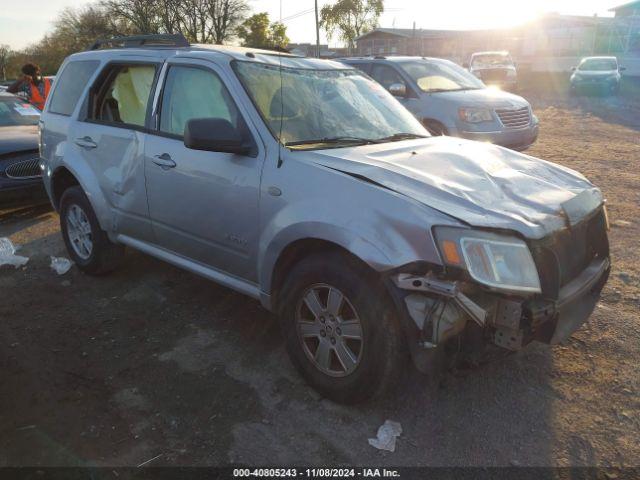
column 508, row 322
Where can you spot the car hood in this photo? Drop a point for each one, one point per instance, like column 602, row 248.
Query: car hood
column 484, row 97
column 18, row 138
column 480, row 184
column 492, row 67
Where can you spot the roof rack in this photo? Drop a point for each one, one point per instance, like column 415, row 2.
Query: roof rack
column 164, row 40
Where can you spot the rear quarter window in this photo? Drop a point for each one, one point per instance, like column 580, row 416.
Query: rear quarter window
column 70, row 85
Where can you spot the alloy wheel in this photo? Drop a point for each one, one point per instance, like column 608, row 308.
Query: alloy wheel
column 330, row 330
column 79, row 232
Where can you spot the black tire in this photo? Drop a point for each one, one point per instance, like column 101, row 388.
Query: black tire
column 105, row 256
column 382, row 356
column 435, row 128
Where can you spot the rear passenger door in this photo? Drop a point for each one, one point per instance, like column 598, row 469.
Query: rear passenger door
column 111, row 139
column 203, row 205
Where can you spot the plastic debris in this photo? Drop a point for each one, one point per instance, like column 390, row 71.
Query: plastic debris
column 60, row 265
column 8, row 254
column 386, row 436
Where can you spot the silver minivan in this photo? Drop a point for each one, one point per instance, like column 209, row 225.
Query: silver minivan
column 304, row 184
column 448, row 100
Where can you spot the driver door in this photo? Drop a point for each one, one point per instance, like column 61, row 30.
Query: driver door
column 203, row 205
column 386, row 76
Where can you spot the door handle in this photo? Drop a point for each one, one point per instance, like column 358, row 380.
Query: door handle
column 164, row 161
column 86, row 142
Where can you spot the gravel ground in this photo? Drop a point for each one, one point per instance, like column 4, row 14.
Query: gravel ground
column 153, row 362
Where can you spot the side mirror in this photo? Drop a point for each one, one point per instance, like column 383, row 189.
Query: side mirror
column 465, row 65
column 573, row 69
column 214, row 135
column 398, row 89
column 622, row 69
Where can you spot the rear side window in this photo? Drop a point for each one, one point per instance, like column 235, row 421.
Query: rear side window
column 70, row 85
column 123, row 95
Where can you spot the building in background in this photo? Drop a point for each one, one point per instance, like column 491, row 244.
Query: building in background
column 550, row 42
column 309, row 50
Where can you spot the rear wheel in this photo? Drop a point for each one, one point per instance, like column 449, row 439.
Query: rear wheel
column 340, row 329
column 87, row 244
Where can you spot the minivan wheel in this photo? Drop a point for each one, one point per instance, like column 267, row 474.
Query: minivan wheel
column 435, row 128
column 87, row 244
column 340, row 329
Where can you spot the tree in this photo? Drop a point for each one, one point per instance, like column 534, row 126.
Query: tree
column 142, row 15
column 254, row 31
column 351, row 18
column 258, row 32
column 5, row 54
column 279, row 39
column 226, row 15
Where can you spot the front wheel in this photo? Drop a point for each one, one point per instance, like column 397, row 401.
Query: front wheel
column 340, row 329
column 87, row 244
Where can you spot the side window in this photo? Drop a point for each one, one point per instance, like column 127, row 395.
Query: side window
column 363, row 67
column 192, row 92
column 70, row 85
column 386, row 75
column 123, row 96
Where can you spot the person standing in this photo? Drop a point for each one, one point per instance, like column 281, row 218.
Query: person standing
column 33, row 85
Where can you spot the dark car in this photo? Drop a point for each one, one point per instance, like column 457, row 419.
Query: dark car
column 597, row 75
column 19, row 160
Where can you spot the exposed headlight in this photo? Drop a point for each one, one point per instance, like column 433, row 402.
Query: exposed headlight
column 475, row 115
column 494, row 260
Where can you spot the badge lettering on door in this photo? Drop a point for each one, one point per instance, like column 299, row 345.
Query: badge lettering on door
column 235, row 239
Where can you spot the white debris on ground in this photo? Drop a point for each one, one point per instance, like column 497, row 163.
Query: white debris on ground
column 8, row 254
column 386, row 436
column 60, row 265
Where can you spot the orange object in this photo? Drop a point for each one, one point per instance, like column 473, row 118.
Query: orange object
column 36, row 98
column 450, row 250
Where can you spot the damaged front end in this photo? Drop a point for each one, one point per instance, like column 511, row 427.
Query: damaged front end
column 512, row 291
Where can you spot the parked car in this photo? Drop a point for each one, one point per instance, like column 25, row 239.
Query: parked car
column 597, row 74
column 494, row 68
column 305, row 185
column 19, row 159
column 448, row 100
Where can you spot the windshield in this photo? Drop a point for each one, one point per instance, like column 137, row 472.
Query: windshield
column 598, row 65
column 308, row 108
column 491, row 60
column 14, row 111
column 441, row 76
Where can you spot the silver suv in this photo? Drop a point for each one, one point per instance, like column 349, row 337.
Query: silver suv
column 306, row 185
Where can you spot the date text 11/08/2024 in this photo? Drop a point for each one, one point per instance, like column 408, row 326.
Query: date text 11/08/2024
column 316, row 473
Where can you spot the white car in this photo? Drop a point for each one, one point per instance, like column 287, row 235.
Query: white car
column 494, row 68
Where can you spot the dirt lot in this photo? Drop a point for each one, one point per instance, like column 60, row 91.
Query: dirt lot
column 152, row 362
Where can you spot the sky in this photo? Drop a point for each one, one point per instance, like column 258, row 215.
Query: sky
column 24, row 22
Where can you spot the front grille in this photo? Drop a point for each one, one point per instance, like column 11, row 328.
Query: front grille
column 561, row 257
column 24, row 169
column 493, row 75
column 514, row 118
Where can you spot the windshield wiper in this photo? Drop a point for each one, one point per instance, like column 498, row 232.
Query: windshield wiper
column 331, row 140
column 399, row 136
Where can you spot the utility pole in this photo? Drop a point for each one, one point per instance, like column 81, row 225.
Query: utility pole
column 317, row 33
